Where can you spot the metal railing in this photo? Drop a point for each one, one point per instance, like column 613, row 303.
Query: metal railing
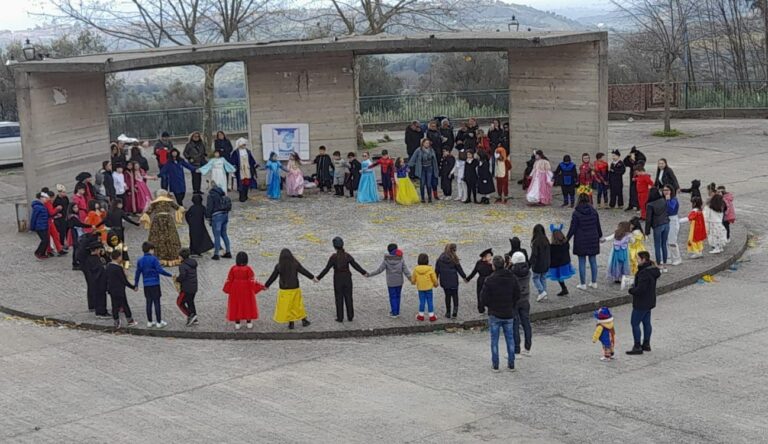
column 639, row 97
column 178, row 122
column 422, row 106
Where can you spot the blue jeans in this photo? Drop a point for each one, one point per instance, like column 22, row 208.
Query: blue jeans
column 426, row 181
column 540, row 282
column 394, row 299
column 219, row 223
column 583, row 268
column 638, row 317
column 524, row 319
column 660, row 238
column 425, row 297
column 494, row 324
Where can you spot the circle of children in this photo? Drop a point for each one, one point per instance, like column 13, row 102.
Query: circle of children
column 91, row 222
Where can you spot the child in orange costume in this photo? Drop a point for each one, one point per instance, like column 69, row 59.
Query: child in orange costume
column 95, row 218
column 503, row 167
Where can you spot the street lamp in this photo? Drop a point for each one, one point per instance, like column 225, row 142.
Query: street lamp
column 514, row 23
column 29, row 51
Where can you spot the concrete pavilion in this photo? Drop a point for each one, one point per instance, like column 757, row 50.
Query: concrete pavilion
column 558, row 83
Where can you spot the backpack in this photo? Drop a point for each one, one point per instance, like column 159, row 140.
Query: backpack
column 226, row 203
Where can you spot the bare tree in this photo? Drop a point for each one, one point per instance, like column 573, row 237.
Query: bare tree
column 156, row 23
column 662, row 31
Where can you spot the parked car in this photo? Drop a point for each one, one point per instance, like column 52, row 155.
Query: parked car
column 10, row 143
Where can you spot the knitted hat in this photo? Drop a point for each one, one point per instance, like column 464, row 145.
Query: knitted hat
column 518, row 258
column 338, row 243
column 603, row 313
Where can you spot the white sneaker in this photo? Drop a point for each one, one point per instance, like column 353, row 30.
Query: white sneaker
column 664, row 270
column 581, row 287
column 677, row 262
column 237, row 326
column 525, row 352
column 541, row 296
column 593, row 285
column 696, row 255
column 605, row 358
column 161, row 324
column 249, row 325
column 150, row 324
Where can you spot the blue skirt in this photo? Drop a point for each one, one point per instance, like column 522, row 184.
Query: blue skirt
column 368, row 191
column 619, row 265
column 273, row 188
column 561, row 273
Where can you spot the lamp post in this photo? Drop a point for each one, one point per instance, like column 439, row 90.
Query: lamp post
column 29, row 51
column 514, row 23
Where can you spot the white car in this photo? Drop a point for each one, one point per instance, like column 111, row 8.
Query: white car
column 10, row 143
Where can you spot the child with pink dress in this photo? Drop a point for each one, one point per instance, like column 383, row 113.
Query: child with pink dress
column 294, row 180
column 540, row 189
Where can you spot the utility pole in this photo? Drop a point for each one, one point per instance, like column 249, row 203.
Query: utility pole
column 765, row 34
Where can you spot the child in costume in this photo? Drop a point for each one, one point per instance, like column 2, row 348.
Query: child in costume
column 471, row 177
column 605, row 333
column 560, row 269
column 323, row 169
column 616, row 172
column 697, row 232
column 387, row 175
column 601, row 180
column 115, row 218
column 273, row 182
column 458, row 173
column 729, row 218
column 425, row 279
column 294, row 181
column 485, row 186
column 673, row 210
column 219, row 169
column 60, row 219
column 618, row 263
column 567, row 177
column 586, row 175
column 406, row 193
column 242, row 288
column 353, row 178
column 160, row 218
column 394, row 265
column 341, row 261
column 448, row 269
column 503, row 168
column 367, row 191
column 447, row 166
column 290, row 303
column 95, row 218
column 643, row 184
column 717, row 236
column 483, row 269
column 74, row 229
column 116, row 243
column 199, row 240
column 187, row 285
column 340, row 167
column 540, row 188
column 694, row 190
column 150, row 269
column 116, row 285
column 636, row 244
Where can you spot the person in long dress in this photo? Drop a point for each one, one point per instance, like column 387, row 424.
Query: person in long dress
column 218, row 168
column 289, row 307
column 405, row 192
column 245, row 169
column 367, row 191
column 273, row 176
column 540, row 189
column 294, row 181
column 199, row 239
column 241, row 287
column 143, row 195
column 161, row 218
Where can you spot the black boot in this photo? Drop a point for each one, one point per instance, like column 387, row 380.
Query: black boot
column 291, row 326
column 636, row 350
column 646, row 346
column 305, row 322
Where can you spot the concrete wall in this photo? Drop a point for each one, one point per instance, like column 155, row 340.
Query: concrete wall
column 65, row 132
column 313, row 89
column 558, row 97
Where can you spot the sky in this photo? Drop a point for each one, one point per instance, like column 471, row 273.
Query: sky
column 16, row 13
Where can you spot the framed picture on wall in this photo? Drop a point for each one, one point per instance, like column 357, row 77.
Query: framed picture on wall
column 284, row 139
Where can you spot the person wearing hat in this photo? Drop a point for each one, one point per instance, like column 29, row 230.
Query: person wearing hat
column 500, row 295
column 162, row 151
column 522, row 273
column 605, row 333
column 245, row 168
column 394, row 265
column 616, row 171
column 483, row 269
column 341, row 261
column 96, row 278
column 61, row 200
column 84, row 179
column 634, row 159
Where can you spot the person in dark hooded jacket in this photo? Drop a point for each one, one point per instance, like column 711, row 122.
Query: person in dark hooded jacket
column 643, row 301
column 523, row 308
column 342, row 262
column 199, row 239
column 413, row 136
column 187, row 280
column 395, row 267
column 514, row 247
column 586, row 232
column 501, row 294
column 197, row 155
column 448, row 270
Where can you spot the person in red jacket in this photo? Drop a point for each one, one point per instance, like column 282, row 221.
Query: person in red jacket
column 643, row 184
column 242, row 287
column 601, row 180
column 53, row 232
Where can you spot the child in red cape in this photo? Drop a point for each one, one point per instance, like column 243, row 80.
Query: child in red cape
column 242, row 287
column 643, row 184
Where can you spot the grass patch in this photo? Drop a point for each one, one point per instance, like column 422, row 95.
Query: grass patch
column 671, row 133
column 369, row 145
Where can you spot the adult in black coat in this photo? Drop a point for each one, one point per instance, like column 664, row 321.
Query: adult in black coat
column 448, row 269
column 500, row 295
column 199, row 239
column 196, row 154
column 586, row 232
column 434, row 136
column 470, row 177
column 656, row 217
column 665, row 176
column 496, row 134
column 446, row 131
column 643, row 301
column 117, row 282
column 446, row 167
column 485, row 178
column 106, row 179
column 616, row 170
column 540, row 260
column 223, row 145
column 138, row 157
column 96, row 280
column 635, row 158
column 413, row 136
column 483, row 269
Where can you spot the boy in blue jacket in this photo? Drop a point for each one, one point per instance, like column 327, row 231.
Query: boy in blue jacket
column 38, row 222
column 149, row 267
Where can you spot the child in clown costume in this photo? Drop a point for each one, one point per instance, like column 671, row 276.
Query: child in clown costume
column 605, row 333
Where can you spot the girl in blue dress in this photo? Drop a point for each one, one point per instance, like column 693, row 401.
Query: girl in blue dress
column 367, row 191
column 618, row 263
column 273, row 182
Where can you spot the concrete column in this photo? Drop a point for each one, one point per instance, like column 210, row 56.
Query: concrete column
column 313, row 89
column 558, row 98
column 64, row 126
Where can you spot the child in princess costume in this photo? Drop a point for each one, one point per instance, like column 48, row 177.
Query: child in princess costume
column 405, row 191
column 218, row 168
column 605, row 333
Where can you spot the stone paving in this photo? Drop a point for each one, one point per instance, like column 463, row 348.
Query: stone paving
column 262, row 227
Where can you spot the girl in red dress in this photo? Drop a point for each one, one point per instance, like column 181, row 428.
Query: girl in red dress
column 242, row 287
column 643, row 184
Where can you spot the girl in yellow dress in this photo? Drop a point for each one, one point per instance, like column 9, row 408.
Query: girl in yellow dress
column 290, row 303
column 636, row 243
column 406, row 192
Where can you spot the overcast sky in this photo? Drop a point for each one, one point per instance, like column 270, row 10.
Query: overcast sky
column 15, row 13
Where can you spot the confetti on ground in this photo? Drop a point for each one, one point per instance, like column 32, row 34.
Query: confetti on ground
column 311, row 237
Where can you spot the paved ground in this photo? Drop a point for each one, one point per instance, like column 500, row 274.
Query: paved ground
column 702, row 383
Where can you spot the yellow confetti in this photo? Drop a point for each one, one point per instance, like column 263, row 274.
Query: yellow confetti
column 708, row 278
column 267, row 254
column 310, row 237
